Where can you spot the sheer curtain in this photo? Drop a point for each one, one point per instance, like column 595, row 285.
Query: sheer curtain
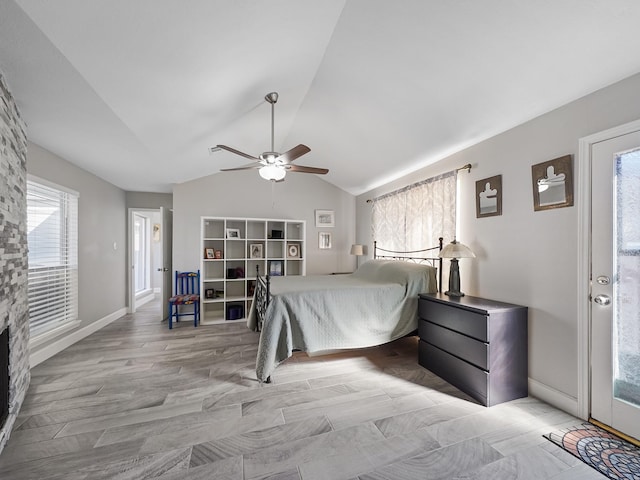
column 415, row 216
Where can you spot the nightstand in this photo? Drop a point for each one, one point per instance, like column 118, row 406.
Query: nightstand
column 477, row 345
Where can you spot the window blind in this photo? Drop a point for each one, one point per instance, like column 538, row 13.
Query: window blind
column 52, row 235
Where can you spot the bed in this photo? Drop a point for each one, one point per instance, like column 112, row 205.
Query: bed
column 374, row 305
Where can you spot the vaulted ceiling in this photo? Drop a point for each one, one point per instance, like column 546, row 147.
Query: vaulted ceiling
column 136, row 91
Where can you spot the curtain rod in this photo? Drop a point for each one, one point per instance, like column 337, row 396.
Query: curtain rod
column 466, row 167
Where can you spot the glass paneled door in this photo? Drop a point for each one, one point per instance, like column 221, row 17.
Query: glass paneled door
column 615, row 283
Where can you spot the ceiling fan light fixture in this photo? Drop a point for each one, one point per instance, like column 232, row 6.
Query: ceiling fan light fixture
column 272, row 172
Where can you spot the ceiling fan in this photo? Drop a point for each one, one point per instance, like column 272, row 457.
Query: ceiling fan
column 273, row 165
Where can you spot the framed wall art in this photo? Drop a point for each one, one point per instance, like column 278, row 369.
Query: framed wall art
column 489, row 197
column 324, row 240
column 325, row 218
column 552, row 183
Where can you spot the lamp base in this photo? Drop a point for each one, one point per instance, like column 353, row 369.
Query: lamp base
column 454, row 294
column 454, row 280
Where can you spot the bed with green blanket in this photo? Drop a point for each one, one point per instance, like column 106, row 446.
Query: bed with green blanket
column 376, row 304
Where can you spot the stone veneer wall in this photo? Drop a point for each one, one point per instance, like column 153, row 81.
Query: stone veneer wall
column 14, row 312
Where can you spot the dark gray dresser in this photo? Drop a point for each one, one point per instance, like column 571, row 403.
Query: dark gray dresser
column 477, row 345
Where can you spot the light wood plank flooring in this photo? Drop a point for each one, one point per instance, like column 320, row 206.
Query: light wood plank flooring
column 136, row 400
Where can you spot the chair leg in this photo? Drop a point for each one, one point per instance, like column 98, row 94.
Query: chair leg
column 196, row 314
column 170, row 315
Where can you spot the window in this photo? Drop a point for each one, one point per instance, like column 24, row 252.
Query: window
column 52, row 235
column 414, row 217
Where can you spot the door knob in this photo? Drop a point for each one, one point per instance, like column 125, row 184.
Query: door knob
column 602, row 300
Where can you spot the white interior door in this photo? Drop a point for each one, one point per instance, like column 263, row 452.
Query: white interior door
column 615, row 283
column 166, row 233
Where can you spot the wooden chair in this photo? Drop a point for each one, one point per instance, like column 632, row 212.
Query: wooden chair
column 187, row 292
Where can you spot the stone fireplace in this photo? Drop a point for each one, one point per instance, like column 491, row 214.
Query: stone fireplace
column 14, row 315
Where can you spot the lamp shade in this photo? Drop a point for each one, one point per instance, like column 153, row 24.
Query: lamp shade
column 272, row 172
column 456, row 249
column 357, row 249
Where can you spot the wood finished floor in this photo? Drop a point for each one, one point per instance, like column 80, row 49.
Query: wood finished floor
column 136, row 400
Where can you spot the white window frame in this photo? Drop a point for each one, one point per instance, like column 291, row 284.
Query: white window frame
column 53, row 259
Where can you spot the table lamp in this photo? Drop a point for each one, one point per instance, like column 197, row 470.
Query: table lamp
column 454, row 251
column 358, row 251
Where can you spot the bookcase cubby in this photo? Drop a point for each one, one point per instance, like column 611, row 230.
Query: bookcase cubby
column 231, row 249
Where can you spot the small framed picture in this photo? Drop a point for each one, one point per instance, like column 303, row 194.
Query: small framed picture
column 255, row 250
column 275, row 268
column 553, row 183
column 489, row 197
column 324, row 240
column 293, row 250
column 325, row 218
column 209, row 293
column 218, row 254
column 209, row 253
column 233, row 233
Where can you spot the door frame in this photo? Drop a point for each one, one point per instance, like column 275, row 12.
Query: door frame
column 583, row 187
column 131, row 291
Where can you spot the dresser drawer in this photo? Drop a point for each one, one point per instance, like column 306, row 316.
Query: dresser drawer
column 458, row 319
column 467, row 348
column 460, row 374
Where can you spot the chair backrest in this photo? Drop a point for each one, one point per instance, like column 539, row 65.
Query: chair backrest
column 188, row 283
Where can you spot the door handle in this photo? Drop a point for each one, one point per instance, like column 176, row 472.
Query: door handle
column 163, row 269
column 603, row 300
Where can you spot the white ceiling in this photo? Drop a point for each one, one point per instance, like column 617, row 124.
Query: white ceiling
column 135, row 91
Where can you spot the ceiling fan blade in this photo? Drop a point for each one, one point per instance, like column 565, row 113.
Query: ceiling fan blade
column 249, row 166
column 295, row 152
column 303, row 169
column 233, row 150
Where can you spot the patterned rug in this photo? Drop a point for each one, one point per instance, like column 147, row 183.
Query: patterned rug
column 610, row 455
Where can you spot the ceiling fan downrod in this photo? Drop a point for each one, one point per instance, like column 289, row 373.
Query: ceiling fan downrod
column 272, row 98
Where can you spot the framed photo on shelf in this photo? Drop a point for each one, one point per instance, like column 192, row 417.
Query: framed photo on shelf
column 233, row 233
column 209, row 293
column 218, row 254
column 255, row 250
column 275, row 268
column 324, row 240
column 293, row 250
column 209, row 253
column 325, row 218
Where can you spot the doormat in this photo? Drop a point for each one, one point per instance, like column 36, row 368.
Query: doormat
column 610, row 455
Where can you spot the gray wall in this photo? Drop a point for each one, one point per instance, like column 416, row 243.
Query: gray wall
column 528, row 257
column 245, row 194
column 149, row 200
column 101, row 224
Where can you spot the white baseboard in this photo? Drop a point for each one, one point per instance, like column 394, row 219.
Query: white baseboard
column 39, row 355
column 146, row 299
column 553, row 397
